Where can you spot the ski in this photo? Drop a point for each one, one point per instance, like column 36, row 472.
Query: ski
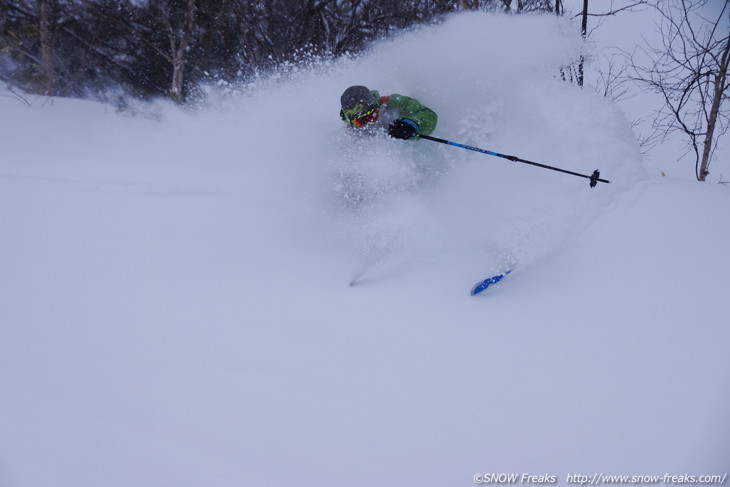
column 482, row 285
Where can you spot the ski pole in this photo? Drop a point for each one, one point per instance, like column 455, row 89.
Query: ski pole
column 595, row 178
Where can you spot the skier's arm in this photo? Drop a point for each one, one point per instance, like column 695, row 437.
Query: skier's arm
column 407, row 107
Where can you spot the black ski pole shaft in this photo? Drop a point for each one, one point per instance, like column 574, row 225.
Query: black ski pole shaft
column 594, row 178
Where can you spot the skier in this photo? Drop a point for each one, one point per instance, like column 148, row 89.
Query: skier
column 404, row 116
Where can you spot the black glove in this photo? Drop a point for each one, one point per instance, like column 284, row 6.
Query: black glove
column 403, row 128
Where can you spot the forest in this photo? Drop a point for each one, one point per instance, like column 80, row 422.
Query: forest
column 146, row 48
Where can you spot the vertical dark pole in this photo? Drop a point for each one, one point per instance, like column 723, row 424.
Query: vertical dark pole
column 583, row 33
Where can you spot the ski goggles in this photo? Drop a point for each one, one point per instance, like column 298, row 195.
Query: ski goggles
column 365, row 119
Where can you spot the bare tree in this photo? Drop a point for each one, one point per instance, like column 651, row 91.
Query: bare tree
column 584, row 14
column 689, row 70
column 584, row 34
column 46, row 45
column 179, row 38
column 166, row 28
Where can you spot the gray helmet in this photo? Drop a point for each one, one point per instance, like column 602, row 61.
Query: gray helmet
column 357, row 100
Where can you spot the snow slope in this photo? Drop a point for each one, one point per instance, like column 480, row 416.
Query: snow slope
column 175, row 306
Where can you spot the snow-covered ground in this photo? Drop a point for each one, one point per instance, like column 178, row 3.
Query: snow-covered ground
column 175, row 306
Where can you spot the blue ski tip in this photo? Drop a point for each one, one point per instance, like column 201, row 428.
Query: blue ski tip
column 482, row 285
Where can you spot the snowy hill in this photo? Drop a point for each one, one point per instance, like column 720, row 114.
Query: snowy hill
column 175, row 306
